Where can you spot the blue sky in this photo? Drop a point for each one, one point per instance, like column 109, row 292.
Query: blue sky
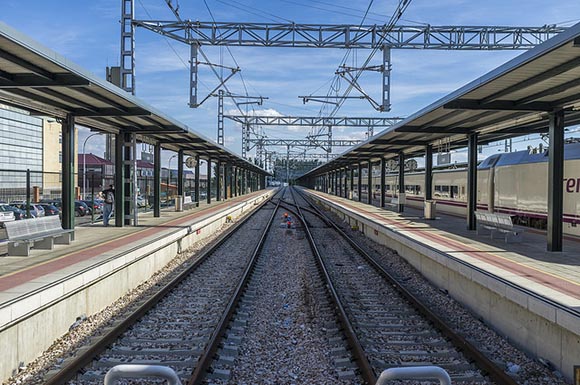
column 88, row 33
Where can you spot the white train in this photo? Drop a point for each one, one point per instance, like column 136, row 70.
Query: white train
column 514, row 183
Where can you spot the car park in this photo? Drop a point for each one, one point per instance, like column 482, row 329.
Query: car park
column 50, row 209
column 18, row 214
column 36, row 210
column 6, row 215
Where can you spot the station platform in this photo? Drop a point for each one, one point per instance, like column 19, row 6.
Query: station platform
column 42, row 295
column 523, row 291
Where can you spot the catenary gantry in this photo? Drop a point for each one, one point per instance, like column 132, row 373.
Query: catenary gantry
column 536, row 92
column 39, row 80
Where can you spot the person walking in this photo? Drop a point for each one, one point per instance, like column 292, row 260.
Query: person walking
column 109, row 195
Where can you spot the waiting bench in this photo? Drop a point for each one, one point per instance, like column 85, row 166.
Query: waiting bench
column 41, row 233
column 496, row 222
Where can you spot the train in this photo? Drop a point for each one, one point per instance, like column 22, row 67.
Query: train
column 514, row 183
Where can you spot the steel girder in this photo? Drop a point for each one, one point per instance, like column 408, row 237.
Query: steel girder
column 352, row 36
column 313, row 121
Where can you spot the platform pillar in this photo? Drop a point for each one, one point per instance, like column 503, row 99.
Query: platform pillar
column 208, row 182
column 555, row 181
column 370, row 183
column 119, row 179
column 428, row 172
column 68, row 172
column 382, row 182
column 180, row 173
column 471, row 180
column 401, row 182
column 345, row 185
column 218, row 180
column 359, row 182
column 351, row 182
column 227, row 185
column 157, row 181
column 196, row 182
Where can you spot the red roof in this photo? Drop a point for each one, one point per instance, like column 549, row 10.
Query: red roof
column 93, row 160
column 144, row 164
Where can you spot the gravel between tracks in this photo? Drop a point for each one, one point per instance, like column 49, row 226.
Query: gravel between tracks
column 286, row 339
column 526, row 370
column 85, row 328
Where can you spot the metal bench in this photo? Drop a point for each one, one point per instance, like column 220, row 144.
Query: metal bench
column 497, row 223
column 41, row 233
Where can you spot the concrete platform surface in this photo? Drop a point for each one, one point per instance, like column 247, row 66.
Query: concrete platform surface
column 96, row 243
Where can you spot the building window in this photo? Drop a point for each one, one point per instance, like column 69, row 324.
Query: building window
column 60, row 157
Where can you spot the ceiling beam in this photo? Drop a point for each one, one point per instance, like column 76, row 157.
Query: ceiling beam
column 434, row 130
column 131, row 111
column 32, row 80
column 546, row 75
column 501, row 105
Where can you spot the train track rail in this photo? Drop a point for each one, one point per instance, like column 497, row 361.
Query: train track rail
column 390, row 325
column 176, row 324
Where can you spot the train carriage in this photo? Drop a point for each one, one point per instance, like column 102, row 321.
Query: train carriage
column 513, row 183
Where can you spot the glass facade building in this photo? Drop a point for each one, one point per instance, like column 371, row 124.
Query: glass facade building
column 21, row 148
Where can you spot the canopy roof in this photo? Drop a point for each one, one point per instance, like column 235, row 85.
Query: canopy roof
column 512, row 100
column 41, row 81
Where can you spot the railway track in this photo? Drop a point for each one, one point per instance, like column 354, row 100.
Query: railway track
column 305, row 304
column 391, row 325
column 175, row 326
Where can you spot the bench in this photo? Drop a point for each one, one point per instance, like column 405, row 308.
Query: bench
column 41, row 233
column 497, row 223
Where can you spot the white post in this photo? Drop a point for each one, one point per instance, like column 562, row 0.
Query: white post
column 415, row 373
column 140, row 371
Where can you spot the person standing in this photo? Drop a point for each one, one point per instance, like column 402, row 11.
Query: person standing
column 109, row 195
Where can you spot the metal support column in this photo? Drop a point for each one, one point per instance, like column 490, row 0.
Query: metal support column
column 401, row 182
column 180, row 173
column 220, row 123
column 359, row 185
column 193, row 69
column 196, row 183
column 119, row 180
column 382, row 181
column 127, row 70
column 208, row 182
column 351, row 182
column 128, row 166
column 157, row 181
column 370, row 183
column 555, row 180
column 218, row 181
column 471, row 180
column 345, row 185
column 68, row 172
column 428, row 172
column 386, row 106
column 244, row 181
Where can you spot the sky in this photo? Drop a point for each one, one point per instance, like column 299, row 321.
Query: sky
column 88, row 33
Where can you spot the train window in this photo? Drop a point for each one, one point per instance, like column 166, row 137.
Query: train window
column 437, row 191
column 442, row 191
column 417, row 189
column 454, row 193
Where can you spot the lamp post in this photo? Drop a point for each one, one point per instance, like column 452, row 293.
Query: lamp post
column 85, row 165
column 169, row 175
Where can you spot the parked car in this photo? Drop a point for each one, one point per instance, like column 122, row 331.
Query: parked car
column 96, row 206
column 6, row 215
column 50, row 209
column 36, row 210
column 81, row 209
column 18, row 214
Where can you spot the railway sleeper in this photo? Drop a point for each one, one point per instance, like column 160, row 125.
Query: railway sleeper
column 139, row 351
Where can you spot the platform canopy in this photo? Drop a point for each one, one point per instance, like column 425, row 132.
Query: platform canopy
column 39, row 80
column 514, row 99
